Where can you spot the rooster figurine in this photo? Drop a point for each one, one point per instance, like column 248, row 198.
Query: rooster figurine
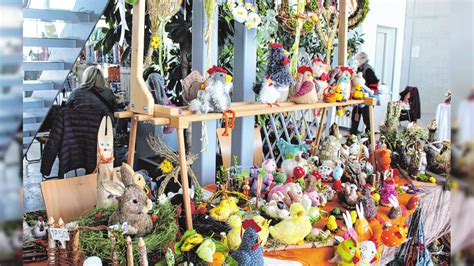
column 39, row 231
column 321, row 75
column 267, row 93
column 305, row 88
column 278, row 70
column 214, row 96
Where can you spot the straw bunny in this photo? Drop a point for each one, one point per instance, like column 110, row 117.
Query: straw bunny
column 133, row 203
column 362, row 226
column 396, row 209
column 350, row 233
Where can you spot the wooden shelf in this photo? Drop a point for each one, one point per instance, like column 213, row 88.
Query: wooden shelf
column 181, row 117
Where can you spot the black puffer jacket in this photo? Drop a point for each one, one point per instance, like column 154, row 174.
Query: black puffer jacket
column 73, row 139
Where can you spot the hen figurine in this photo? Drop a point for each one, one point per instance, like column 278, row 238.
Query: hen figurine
column 344, row 82
column 321, row 75
column 278, row 70
column 250, row 251
column 268, row 93
column 305, row 88
column 215, row 96
column 39, row 231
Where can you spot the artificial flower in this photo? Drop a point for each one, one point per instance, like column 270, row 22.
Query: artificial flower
column 253, row 20
column 166, row 166
column 162, row 199
column 206, row 250
column 155, row 42
column 249, row 6
column 240, row 13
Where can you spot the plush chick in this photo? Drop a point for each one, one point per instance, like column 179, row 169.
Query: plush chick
column 233, row 238
column 347, row 253
column 331, row 224
column 226, row 208
column 338, row 94
column 264, row 224
column 269, row 94
column 358, row 94
column 293, row 230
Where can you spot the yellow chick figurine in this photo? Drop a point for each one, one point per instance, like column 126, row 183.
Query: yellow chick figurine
column 233, row 238
column 264, row 224
column 338, row 95
column 358, row 93
column 353, row 216
column 226, row 208
column 293, row 230
column 331, row 224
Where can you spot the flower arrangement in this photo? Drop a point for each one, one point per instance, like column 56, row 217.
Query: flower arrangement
column 245, row 13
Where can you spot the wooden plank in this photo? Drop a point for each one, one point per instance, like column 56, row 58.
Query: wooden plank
column 158, row 121
column 141, row 100
column 69, row 198
column 184, row 177
column 372, row 133
column 123, row 114
column 132, row 141
column 342, row 37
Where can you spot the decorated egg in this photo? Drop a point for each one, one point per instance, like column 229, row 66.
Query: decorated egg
column 413, row 202
column 298, row 172
column 394, row 235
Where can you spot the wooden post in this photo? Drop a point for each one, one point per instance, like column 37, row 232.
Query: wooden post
column 52, row 249
column 342, row 36
column 132, row 141
column 372, row 133
column 245, row 73
column 320, row 128
column 141, row 100
column 76, row 258
column 113, row 250
column 63, row 256
column 142, row 252
column 184, row 177
column 128, row 243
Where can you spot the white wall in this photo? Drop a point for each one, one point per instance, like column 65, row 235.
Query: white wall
column 389, row 13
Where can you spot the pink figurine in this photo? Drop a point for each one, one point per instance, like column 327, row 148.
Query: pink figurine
column 389, row 188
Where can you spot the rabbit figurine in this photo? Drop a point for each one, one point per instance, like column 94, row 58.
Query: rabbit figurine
column 104, row 197
column 396, row 209
column 133, row 203
column 362, row 227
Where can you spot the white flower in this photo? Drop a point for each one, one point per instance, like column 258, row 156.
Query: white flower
column 125, row 227
column 253, row 20
column 250, row 6
column 162, row 199
column 240, row 14
column 230, row 4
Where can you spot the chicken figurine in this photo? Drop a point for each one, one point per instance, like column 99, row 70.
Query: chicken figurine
column 347, row 253
column 278, row 70
column 305, row 88
column 267, row 93
column 233, row 238
column 39, row 231
column 224, row 210
column 344, row 82
column 250, row 251
column 321, row 75
column 214, row 96
column 293, row 230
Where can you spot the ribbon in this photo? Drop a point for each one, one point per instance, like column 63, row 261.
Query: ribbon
column 123, row 21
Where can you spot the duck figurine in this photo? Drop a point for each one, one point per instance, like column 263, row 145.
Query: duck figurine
column 294, row 230
column 233, row 238
column 224, row 210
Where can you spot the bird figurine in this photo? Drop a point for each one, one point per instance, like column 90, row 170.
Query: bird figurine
column 305, row 88
column 358, row 94
column 267, row 93
column 224, row 210
column 321, row 75
column 368, row 252
column 337, row 173
column 278, row 70
column 250, row 251
column 293, row 230
column 331, row 223
column 233, row 238
column 347, row 253
column 264, row 224
column 339, row 97
column 214, row 97
column 344, row 82
column 39, row 231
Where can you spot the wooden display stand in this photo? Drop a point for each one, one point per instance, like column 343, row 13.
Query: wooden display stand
column 143, row 109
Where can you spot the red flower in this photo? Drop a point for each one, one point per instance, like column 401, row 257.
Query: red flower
column 303, row 69
column 214, row 69
column 276, row 45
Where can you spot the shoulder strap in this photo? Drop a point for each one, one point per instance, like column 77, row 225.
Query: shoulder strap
column 102, row 99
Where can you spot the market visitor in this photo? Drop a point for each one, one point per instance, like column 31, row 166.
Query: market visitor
column 372, row 82
column 93, row 94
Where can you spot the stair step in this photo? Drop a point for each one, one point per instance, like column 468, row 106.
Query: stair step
column 39, row 113
column 37, row 85
column 50, row 42
column 56, row 14
column 10, row 80
column 43, row 65
column 11, row 32
column 29, row 118
column 11, row 59
column 31, row 127
column 33, row 102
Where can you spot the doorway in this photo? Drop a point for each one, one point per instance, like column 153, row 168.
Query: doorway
column 385, row 55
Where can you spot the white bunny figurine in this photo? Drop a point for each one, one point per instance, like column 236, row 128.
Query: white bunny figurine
column 350, row 233
column 396, row 210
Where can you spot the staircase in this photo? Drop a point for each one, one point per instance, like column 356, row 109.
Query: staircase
column 53, row 38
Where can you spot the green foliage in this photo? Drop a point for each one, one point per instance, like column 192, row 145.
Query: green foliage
column 354, row 43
